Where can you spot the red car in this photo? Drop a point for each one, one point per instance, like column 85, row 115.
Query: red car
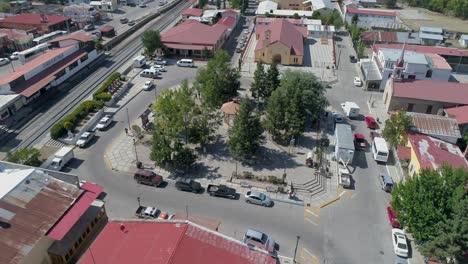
column 360, row 142
column 370, row 122
column 392, row 217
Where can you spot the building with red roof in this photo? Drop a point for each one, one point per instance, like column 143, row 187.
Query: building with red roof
column 280, row 41
column 367, row 18
column 41, row 22
column 15, row 40
column 67, row 55
column 169, row 242
column 424, row 96
column 191, row 37
column 192, row 12
column 461, row 115
column 431, row 153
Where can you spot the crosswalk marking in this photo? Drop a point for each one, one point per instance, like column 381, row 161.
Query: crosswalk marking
column 312, row 213
column 308, row 257
column 310, row 221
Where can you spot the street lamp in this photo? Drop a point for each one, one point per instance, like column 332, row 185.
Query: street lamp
column 138, row 199
column 295, row 250
column 134, row 146
column 128, row 120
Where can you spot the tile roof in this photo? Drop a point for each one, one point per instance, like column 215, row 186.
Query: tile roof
column 193, row 12
column 77, row 36
column 459, row 113
column 432, row 153
column 424, row 49
column 193, row 32
column 285, row 32
column 230, row 11
column 30, row 209
column 105, row 29
column 34, row 19
column 167, row 242
column 371, row 12
column 229, row 22
column 15, row 33
column 379, row 36
column 438, row 91
column 435, row 125
column 404, row 153
column 438, row 62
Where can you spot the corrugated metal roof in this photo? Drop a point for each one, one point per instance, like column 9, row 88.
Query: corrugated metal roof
column 344, row 134
column 36, row 203
column 459, row 113
column 434, row 125
column 438, row 91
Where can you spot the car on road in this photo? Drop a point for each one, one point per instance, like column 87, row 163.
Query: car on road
column 14, row 55
column 142, row 5
column 84, row 139
column 131, row 23
column 357, row 81
column 258, row 198
column 259, row 239
column 88, row 27
column 160, row 68
column 360, row 142
column 221, row 191
column 370, row 122
column 352, row 59
column 4, row 61
column 104, row 122
column 124, row 20
column 392, row 217
column 148, row 85
column 160, row 61
column 337, row 117
column 188, row 185
column 400, row 246
column 147, row 177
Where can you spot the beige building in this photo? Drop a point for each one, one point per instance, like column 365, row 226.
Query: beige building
column 290, row 4
column 280, row 41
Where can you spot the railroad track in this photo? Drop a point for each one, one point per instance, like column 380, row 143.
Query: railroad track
column 41, row 122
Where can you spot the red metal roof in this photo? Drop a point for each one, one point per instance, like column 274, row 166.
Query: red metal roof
column 207, row 222
column 359, row 11
column 167, row 243
column 227, row 21
column 15, row 33
column 438, row 91
column 285, row 32
column 34, row 19
column 459, row 113
column 432, row 153
column 78, row 36
column 106, row 28
column 424, row 49
column 403, row 152
column 192, row 32
column 379, row 36
column 61, row 228
column 188, row 46
column 193, row 12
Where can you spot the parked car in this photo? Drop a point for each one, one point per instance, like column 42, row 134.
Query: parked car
column 360, row 142
column 338, row 118
column 160, row 61
column 148, row 177
column 162, row 3
column 188, row 185
column 160, row 68
column 104, row 122
column 142, row 5
column 386, row 182
column 221, row 191
column 258, row 198
column 400, row 246
column 352, row 58
column 88, row 27
column 259, row 239
column 371, row 123
column 14, row 55
column 392, row 217
column 131, row 23
column 357, row 81
column 4, row 61
column 148, row 85
column 84, row 139
column 124, row 20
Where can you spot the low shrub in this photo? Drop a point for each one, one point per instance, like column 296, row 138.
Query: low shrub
column 106, row 84
column 57, row 131
column 104, row 96
column 247, row 175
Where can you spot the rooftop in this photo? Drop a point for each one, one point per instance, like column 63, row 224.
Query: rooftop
column 192, row 32
column 77, row 36
column 5, row 99
column 321, row 4
column 176, row 242
column 289, row 13
column 230, row 108
column 432, row 30
column 438, row 61
column 403, row 152
column 459, row 113
column 34, row 19
column 379, row 36
column 297, row 22
column 430, row 36
column 266, row 6
column 193, row 12
column 435, row 125
column 371, row 12
column 410, row 56
column 432, row 153
column 437, row 91
column 284, row 32
column 424, row 49
column 15, row 33
column 30, row 204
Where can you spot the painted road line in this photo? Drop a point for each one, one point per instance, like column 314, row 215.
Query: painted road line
column 310, row 221
column 308, row 257
column 354, row 195
column 310, row 254
column 341, row 194
column 312, row 213
column 329, row 202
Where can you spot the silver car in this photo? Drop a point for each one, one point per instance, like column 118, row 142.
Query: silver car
column 259, row 239
column 258, row 198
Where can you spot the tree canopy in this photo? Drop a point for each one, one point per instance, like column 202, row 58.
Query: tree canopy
column 25, row 156
column 433, row 206
column 218, row 82
column 151, row 41
column 396, row 128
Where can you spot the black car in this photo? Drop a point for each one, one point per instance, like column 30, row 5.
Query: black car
column 352, row 58
column 188, row 186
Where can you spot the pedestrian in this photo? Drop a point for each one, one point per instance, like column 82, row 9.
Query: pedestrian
column 126, row 131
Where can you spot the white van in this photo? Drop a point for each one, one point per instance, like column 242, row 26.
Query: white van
column 380, row 150
column 139, row 62
column 351, row 109
column 150, row 73
column 185, row 63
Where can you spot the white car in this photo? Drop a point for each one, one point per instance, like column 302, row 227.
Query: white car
column 160, row 61
column 148, row 85
column 4, row 61
column 84, row 139
column 159, row 68
column 357, row 81
column 14, row 55
column 104, row 122
column 400, row 247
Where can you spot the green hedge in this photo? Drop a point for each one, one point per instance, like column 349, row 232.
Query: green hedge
column 104, row 96
column 106, row 84
column 58, row 130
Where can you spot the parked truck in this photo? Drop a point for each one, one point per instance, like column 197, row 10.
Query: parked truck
column 344, row 177
column 351, row 109
column 344, row 143
column 147, row 212
column 60, row 159
column 221, row 191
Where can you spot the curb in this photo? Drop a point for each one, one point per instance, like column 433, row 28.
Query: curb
column 288, row 202
column 329, row 202
column 109, row 163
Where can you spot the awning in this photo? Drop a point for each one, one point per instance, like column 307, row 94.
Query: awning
column 187, row 46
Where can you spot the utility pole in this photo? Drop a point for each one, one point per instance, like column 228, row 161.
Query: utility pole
column 134, row 146
column 138, row 199
column 295, row 250
column 128, row 120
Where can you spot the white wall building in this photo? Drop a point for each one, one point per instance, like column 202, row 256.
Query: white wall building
column 463, row 41
column 431, row 35
column 368, row 17
column 325, row 7
column 106, row 6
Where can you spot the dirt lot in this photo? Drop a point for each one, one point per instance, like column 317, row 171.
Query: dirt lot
column 431, row 19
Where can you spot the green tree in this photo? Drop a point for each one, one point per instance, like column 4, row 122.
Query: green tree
column 316, row 15
column 218, row 4
column 204, row 126
column 245, row 136
column 258, row 86
column 275, row 120
column 218, row 82
column 152, row 41
column 272, row 80
column 354, row 20
column 296, row 16
column 267, row 14
column 25, row 156
column 202, row 3
column 396, row 128
column 390, row 3
column 361, row 48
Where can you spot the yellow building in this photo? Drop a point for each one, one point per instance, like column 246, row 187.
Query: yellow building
column 290, row 4
column 280, row 41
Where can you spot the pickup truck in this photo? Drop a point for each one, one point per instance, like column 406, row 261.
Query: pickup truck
column 147, row 212
column 221, row 191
